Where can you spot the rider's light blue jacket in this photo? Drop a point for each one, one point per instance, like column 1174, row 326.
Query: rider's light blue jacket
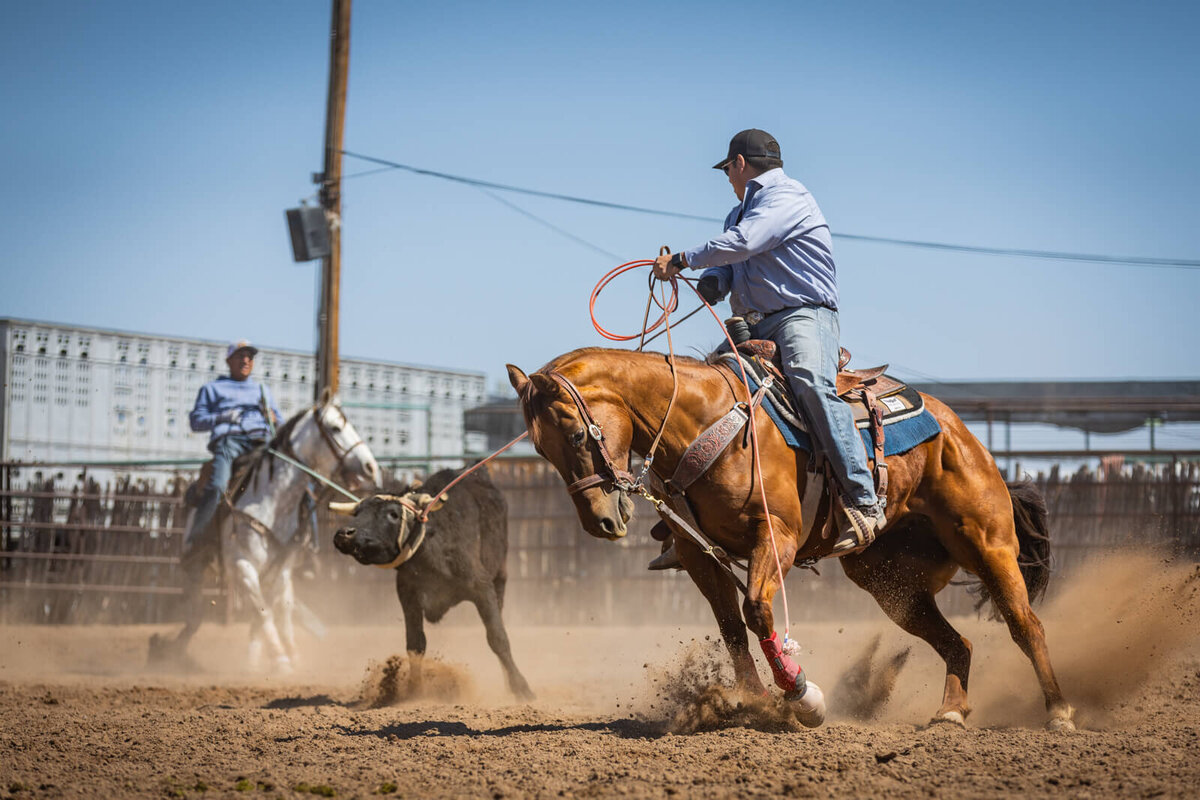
column 776, row 251
column 225, row 394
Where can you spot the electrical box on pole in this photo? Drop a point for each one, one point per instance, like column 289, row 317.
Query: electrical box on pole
column 309, row 232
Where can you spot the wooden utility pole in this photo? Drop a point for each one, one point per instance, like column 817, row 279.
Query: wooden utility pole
column 331, row 200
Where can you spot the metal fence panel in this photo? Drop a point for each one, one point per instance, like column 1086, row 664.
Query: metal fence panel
column 87, row 547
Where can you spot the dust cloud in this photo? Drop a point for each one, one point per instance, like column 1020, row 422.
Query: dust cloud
column 402, row 679
column 1115, row 626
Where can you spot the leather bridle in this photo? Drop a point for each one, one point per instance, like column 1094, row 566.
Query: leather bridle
column 620, row 479
column 339, row 453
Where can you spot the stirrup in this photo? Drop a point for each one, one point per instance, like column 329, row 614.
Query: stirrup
column 667, row 559
column 859, row 532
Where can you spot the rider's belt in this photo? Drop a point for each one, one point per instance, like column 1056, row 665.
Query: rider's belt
column 755, row 317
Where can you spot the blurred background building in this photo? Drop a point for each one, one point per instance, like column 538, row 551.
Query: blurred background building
column 90, row 394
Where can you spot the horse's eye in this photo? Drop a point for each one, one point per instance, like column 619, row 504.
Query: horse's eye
column 578, row 438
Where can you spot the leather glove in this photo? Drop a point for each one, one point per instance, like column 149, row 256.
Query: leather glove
column 231, row 416
column 708, row 288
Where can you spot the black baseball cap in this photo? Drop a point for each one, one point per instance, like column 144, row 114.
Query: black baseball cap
column 748, row 144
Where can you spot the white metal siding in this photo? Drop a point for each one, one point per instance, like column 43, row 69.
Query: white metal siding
column 91, row 394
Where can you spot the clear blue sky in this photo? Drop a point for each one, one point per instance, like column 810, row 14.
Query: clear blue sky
column 151, row 148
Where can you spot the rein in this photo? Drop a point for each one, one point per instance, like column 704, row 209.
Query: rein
column 333, row 446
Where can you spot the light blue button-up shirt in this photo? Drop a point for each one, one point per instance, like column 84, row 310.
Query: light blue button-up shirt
column 223, row 394
column 779, row 255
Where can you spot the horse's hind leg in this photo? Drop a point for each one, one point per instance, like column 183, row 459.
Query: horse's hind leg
column 1002, row 576
column 903, row 571
column 193, row 566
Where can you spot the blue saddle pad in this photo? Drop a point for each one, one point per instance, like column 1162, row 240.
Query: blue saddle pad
column 899, row 437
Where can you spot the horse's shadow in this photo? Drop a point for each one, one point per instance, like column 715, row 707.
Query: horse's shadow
column 622, row 728
column 306, row 702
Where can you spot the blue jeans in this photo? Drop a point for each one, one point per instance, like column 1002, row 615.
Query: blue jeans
column 807, row 338
column 224, row 451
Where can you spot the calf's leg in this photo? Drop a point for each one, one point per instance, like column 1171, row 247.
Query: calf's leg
column 414, row 617
column 488, row 605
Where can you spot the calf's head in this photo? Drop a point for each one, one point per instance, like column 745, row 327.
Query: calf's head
column 386, row 529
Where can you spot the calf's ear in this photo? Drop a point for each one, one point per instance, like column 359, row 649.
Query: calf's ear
column 516, row 377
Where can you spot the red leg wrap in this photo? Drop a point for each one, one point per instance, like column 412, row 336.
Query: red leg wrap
column 788, row 675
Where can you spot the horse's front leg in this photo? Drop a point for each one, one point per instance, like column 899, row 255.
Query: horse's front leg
column 720, row 591
column 249, row 558
column 283, row 593
column 768, row 566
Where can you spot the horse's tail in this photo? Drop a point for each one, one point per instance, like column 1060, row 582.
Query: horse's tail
column 1033, row 539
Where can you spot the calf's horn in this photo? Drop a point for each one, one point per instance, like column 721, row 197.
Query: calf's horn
column 343, row 508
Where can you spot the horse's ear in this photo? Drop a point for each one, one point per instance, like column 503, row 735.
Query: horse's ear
column 326, row 397
column 547, row 385
column 516, row 377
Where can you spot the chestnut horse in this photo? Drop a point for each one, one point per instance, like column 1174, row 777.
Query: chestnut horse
column 948, row 507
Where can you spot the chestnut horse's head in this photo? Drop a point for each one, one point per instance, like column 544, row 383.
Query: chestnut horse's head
column 587, row 441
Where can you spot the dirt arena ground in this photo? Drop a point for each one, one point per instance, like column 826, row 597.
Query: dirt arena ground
column 635, row 712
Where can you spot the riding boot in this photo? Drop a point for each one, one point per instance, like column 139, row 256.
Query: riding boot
column 859, row 526
column 667, row 559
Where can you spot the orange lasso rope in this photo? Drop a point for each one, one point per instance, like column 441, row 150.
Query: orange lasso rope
column 668, row 304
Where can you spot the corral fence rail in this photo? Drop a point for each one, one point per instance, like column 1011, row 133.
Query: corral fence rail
column 81, row 544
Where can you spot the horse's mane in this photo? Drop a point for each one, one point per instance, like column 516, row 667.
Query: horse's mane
column 559, row 362
column 284, row 432
column 283, row 437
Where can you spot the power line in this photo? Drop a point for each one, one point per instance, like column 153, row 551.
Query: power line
column 1170, row 263
column 1162, row 263
column 519, row 190
column 552, row 226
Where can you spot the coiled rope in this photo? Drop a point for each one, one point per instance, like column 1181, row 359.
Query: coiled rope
column 667, row 304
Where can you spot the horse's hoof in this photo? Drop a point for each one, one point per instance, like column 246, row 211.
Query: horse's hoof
column 809, row 707
column 1063, row 720
column 952, row 717
column 162, row 650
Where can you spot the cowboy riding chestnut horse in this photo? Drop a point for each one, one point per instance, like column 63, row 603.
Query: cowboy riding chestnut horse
column 948, row 507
